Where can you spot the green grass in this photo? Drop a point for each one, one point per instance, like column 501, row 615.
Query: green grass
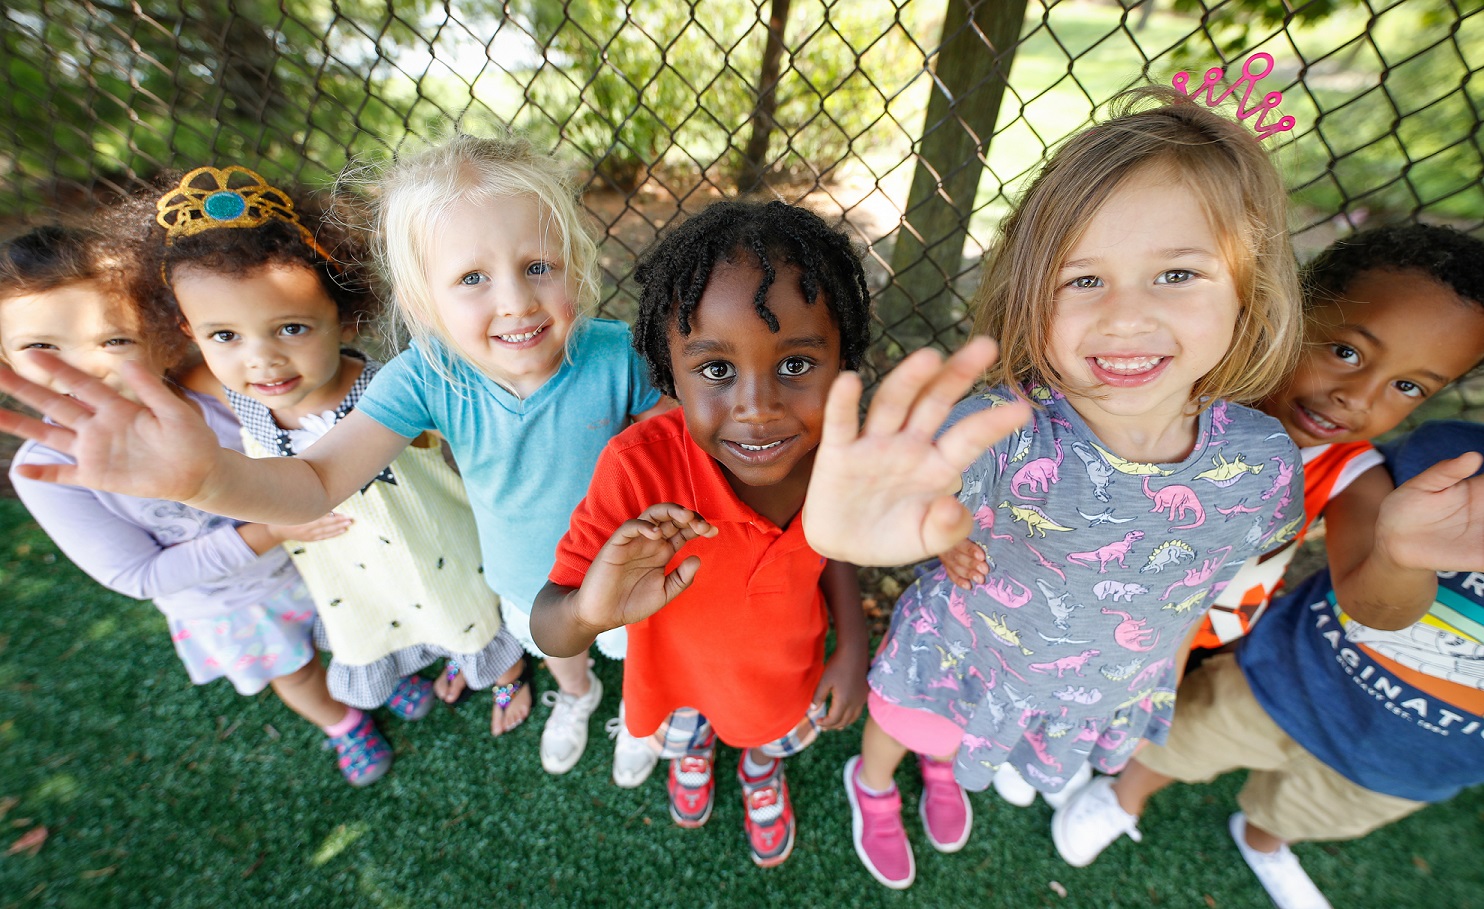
column 159, row 793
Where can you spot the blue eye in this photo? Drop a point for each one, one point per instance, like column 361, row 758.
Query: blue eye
column 717, row 371
column 536, row 269
column 1085, row 282
column 39, row 345
column 471, row 279
column 118, row 342
column 794, row 367
column 1175, row 276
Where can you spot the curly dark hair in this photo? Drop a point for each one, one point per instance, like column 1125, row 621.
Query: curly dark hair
column 348, row 279
column 673, row 273
column 56, row 256
column 1450, row 257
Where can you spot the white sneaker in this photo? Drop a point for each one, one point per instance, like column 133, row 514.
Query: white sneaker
column 565, row 736
column 1081, row 778
column 1090, row 822
column 1012, row 787
column 633, row 759
column 1279, row 872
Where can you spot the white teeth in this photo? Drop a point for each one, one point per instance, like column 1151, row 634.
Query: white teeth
column 1320, row 420
column 516, row 339
column 746, row 447
column 1127, row 365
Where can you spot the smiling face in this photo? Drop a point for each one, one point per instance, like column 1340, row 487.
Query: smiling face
column 502, row 290
column 79, row 323
column 754, row 398
column 1145, row 306
column 1395, row 340
column 272, row 334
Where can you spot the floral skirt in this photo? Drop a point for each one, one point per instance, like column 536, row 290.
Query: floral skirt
column 250, row 646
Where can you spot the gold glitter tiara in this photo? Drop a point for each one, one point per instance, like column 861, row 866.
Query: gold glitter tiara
column 209, row 198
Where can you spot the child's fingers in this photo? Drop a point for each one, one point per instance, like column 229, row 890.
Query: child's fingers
column 968, row 438
column 945, row 523
column 679, row 579
column 899, row 390
column 151, row 391
column 58, row 407
column 61, row 474
column 57, row 438
column 842, row 411
column 672, row 520
column 960, row 373
column 77, row 389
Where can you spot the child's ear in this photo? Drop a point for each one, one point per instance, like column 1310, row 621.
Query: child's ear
column 185, row 328
column 349, row 331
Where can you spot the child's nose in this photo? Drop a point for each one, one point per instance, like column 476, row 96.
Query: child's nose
column 1125, row 310
column 514, row 299
column 755, row 400
column 1357, row 395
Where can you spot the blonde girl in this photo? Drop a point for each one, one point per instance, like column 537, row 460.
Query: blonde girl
column 1142, row 288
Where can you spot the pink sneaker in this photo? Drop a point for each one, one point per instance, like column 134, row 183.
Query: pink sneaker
column 946, row 814
column 880, row 839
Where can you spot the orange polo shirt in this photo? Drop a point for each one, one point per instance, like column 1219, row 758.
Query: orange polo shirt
column 744, row 643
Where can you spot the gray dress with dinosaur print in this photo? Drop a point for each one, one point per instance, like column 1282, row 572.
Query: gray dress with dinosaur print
column 1098, row 569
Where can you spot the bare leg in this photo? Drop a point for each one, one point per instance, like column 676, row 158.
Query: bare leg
column 305, row 693
column 1136, row 784
column 880, row 756
column 570, row 673
column 1261, row 840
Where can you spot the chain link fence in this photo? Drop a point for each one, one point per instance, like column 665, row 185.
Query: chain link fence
column 913, row 123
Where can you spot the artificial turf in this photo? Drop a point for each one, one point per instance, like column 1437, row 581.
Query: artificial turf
column 155, row 792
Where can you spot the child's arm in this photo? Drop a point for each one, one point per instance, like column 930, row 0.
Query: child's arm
column 626, row 581
column 844, row 677
column 882, row 493
column 1385, row 546
column 161, row 448
column 125, row 557
column 261, row 538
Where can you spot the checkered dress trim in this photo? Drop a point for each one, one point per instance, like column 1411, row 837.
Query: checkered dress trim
column 258, row 420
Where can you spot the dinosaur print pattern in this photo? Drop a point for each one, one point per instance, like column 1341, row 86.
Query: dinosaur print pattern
column 1064, row 654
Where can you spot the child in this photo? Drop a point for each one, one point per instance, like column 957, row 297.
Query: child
column 268, row 305
column 1357, row 699
column 1390, row 320
column 1393, row 316
column 748, row 311
column 1142, row 285
column 491, row 266
column 234, row 604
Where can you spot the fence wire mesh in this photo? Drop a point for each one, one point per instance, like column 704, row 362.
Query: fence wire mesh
column 914, row 123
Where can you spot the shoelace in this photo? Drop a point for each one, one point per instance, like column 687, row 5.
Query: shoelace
column 563, row 710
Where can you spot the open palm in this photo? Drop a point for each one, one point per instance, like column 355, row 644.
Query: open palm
column 627, row 581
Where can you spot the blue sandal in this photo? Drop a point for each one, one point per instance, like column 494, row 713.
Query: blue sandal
column 411, row 699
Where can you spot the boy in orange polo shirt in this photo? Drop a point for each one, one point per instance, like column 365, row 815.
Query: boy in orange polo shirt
column 688, row 534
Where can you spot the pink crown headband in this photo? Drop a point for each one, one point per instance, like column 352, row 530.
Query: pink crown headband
column 1249, row 80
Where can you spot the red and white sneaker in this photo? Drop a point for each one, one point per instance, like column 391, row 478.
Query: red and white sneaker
column 768, row 815
column 692, row 788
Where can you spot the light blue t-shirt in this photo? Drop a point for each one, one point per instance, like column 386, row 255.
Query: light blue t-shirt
column 526, row 463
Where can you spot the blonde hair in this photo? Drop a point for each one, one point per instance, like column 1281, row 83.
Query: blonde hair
column 1239, row 191
column 417, row 189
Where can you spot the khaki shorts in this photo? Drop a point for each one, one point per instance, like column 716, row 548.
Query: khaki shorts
column 1220, row 727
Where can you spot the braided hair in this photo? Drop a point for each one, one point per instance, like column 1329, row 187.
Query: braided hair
column 673, row 274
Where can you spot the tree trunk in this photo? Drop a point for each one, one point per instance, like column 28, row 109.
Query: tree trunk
column 972, row 67
column 755, row 156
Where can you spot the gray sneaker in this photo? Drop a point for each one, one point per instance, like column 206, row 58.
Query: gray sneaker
column 565, row 736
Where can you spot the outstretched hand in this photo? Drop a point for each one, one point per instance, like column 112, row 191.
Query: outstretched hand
column 1435, row 521
column 882, row 493
column 626, row 581
column 156, row 447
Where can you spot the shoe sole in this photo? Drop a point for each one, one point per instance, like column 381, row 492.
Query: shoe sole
column 856, row 825
column 1060, row 837
column 693, row 823
column 557, row 768
column 947, row 848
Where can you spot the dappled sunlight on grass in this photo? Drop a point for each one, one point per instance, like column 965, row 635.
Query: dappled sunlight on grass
column 339, row 839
